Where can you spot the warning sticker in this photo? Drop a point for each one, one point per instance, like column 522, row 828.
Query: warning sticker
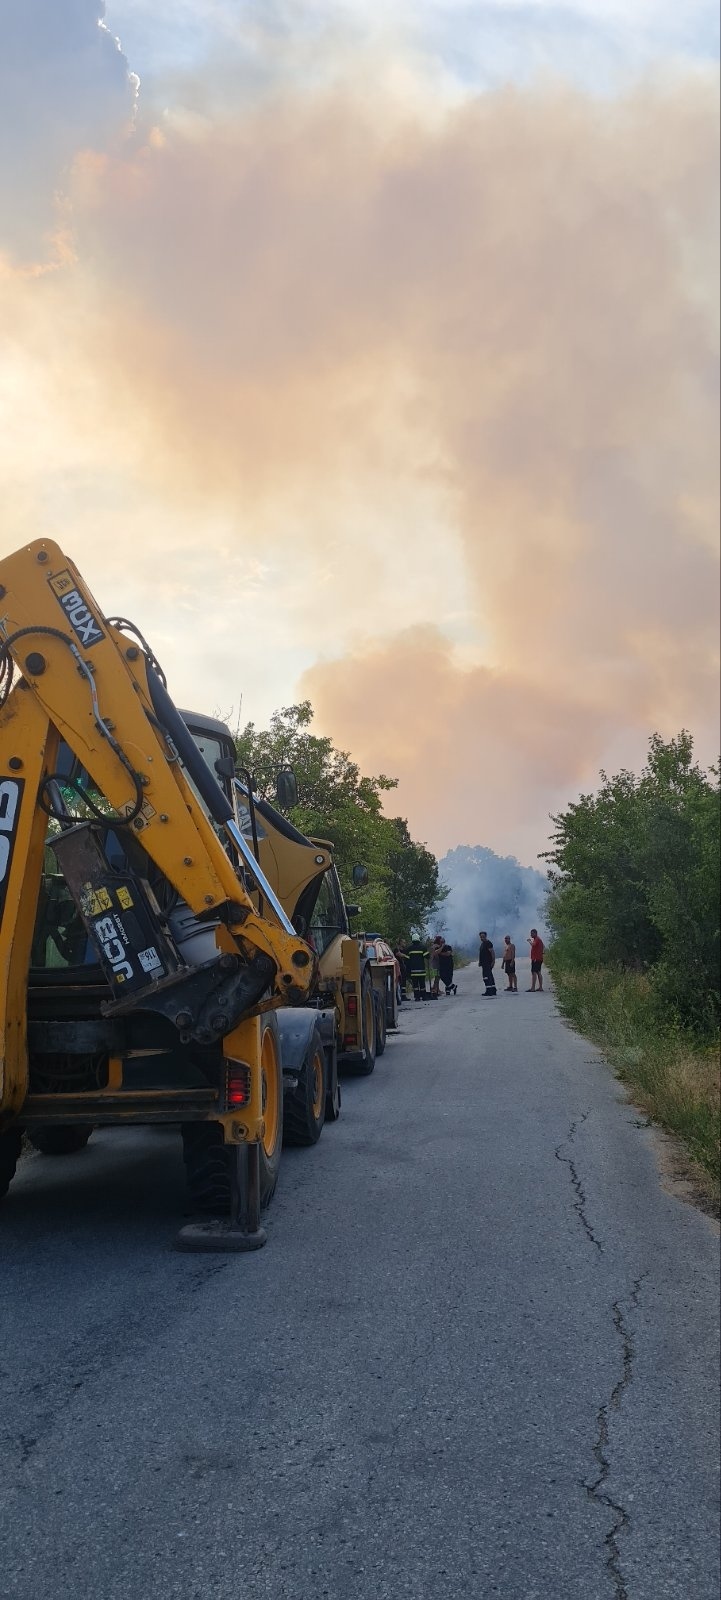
column 147, row 811
column 96, row 901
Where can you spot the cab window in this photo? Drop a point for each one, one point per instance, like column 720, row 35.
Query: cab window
column 327, row 918
column 211, row 749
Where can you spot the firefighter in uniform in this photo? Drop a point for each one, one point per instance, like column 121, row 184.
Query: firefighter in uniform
column 417, row 957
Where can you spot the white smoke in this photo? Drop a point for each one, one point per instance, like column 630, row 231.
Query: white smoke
column 491, row 892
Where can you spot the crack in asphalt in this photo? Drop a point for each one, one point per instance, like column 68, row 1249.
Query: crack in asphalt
column 579, row 1203
column 596, row 1491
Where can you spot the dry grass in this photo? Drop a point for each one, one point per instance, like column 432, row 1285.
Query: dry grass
column 677, row 1083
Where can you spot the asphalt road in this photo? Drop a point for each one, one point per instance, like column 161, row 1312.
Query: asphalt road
column 478, row 1356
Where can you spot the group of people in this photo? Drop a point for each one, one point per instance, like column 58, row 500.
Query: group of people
column 423, row 965
column 420, row 965
column 487, row 962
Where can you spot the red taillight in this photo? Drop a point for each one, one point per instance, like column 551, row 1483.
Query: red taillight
column 237, row 1085
column 349, row 1041
column 351, row 1005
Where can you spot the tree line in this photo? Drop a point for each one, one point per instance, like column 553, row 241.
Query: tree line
column 634, row 872
column 337, row 802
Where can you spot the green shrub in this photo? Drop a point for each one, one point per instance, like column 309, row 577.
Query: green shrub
column 673, row 1078
column 633, row 909
column 634, row 884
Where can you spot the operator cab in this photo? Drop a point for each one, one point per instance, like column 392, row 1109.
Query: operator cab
column 60, row 942
column 216, row 745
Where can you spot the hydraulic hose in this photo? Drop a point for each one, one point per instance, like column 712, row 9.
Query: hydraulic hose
column 169, row 717
column 208, row 787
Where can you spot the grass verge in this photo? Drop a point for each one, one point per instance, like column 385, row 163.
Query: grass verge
column 667, row 1074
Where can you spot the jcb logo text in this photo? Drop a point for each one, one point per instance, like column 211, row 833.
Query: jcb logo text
column 106, row 933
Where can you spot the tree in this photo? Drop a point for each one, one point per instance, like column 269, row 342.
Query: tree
column 634, row 873
column 681, row 852
column 598, row 877
column 337, row 802
column 414, row 894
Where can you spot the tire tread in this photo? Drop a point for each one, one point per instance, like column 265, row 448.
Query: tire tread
column 300, row 1129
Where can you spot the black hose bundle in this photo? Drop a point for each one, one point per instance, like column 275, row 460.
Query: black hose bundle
column 124, row 626
column 45, row 797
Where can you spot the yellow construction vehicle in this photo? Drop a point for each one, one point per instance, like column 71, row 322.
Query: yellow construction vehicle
column 351, row 984
column 148, row 971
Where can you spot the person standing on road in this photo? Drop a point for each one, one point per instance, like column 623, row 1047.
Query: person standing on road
column 445, row 969
column 486, row 962
column 537, row 948
column 417, row 962
column 509, row 965
column 433, row 967
column 401, row 955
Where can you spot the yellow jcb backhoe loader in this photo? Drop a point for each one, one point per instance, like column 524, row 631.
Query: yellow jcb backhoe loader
column 139, row 981
column 350, row 985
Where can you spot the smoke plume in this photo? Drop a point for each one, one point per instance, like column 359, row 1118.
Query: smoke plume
column 411, row 399
column 491, row 892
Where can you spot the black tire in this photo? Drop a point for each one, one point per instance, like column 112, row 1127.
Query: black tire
column 207, row 1158
column 55, row 1140
column 381, row 1025
column 369, row 1012
column 10, row 1144
column 304, row 1106
column 270, row 1154
column 332, row 1099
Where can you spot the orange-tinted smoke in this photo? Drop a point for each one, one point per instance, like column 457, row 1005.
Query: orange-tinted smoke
column 508, row 308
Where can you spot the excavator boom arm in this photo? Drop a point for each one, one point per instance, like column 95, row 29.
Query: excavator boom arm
column 82, row 681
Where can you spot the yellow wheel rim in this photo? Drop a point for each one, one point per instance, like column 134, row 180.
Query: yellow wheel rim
column 368, row 1018
column 271, row 1101
column 318, row 1084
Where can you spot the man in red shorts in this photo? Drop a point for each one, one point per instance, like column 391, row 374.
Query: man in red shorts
column 536, row 962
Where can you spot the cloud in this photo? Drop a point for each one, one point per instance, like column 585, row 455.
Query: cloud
column 441, row 378
column 479, row 43
column 64, row 85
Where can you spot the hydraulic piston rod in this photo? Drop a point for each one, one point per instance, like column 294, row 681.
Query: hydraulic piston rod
column 241, row 844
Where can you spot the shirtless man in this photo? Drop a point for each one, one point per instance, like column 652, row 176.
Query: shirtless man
column 433, row 967
column 509, row 965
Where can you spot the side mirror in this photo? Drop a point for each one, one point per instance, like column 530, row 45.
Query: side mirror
column 225, row 767
column 360, row 877
column 286, row 789
column 352, row 911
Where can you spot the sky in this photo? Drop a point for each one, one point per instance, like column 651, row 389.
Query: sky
column 368, row 352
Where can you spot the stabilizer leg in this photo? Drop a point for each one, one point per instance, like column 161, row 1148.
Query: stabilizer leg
column 241, row 1231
